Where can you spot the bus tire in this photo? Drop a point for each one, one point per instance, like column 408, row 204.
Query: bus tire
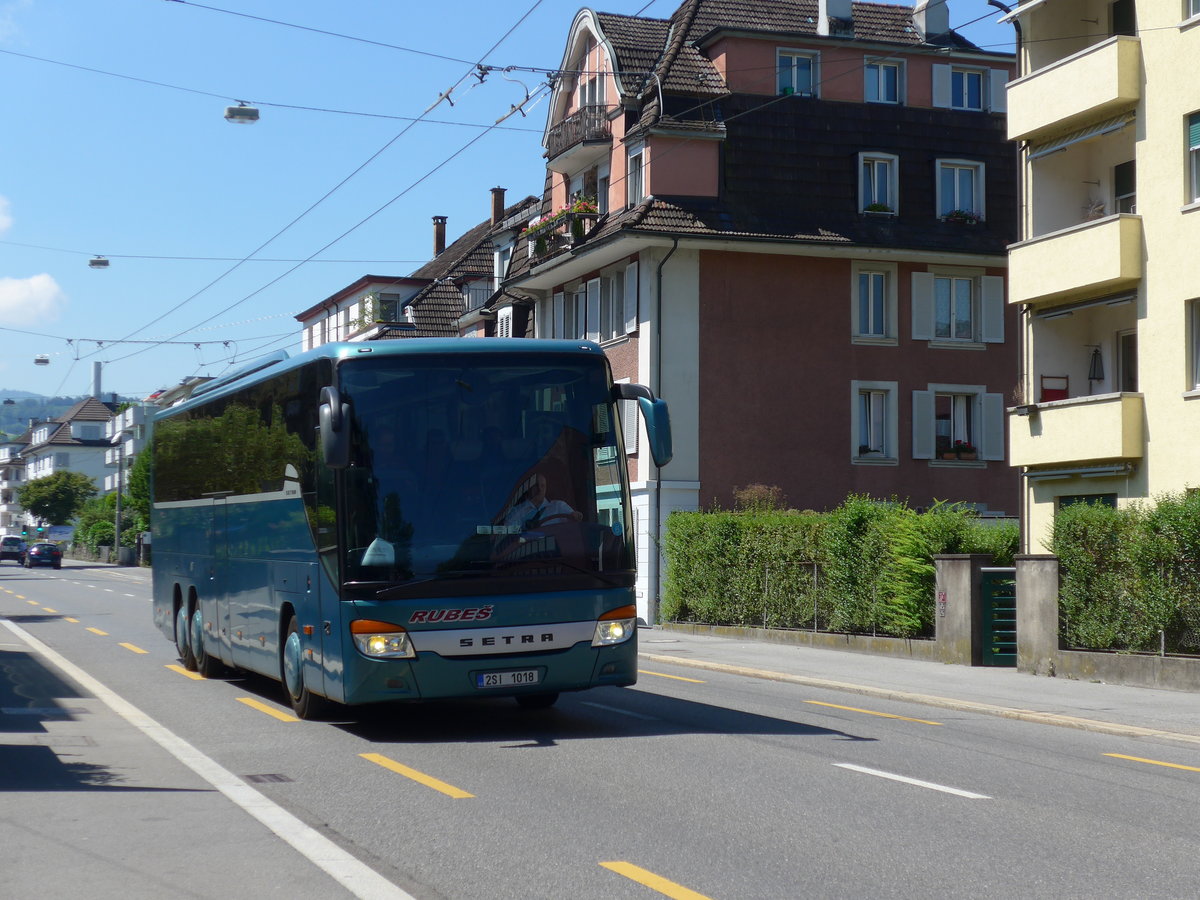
column 183, row 642
column 305, row 703
column 206, row 665
column 536, row 701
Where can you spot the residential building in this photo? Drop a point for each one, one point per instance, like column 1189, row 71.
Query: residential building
column 75, row 441
column 790, row 220
column 12, row 479
column 446, row 297
column 1105, row 275
column 127, row 434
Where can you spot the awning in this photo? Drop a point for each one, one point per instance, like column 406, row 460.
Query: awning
column 1053, row 145
column 1054, row 312
column 1020, row 11
column 1112, row 471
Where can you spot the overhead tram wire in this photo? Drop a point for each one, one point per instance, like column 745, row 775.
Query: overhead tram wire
column 374, row 156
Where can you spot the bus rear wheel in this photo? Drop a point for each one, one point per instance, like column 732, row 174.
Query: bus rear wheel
column 305, row 703
column 183, row 644
column 536, row 701
column 207, row 665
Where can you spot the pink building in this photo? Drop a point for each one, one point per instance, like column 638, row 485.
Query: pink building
column 790, row 220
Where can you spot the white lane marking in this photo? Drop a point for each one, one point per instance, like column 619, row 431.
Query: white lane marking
column 358, row 878
column 619, row 711
column 925, row 784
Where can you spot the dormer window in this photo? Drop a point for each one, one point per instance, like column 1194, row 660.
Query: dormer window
column 797, row 72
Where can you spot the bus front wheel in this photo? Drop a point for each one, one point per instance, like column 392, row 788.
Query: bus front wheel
column 206, row 665
column 305, row 703
column 182, row 642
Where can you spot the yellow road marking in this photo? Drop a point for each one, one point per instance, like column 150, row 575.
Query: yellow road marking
column 20, row 596
column 652, row 881
column 419, row 777
column 871, row 712
column 195, row 676
column 1153, row 762
column 69, row 619
column 672, row 677
column 269, row 710
column 31, row 602
column 135, row 648
column 98, row 631
column 49, row 610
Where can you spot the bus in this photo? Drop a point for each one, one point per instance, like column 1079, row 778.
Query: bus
column 404, row 520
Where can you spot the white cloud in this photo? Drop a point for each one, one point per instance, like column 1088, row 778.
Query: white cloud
column 8, row 14
column 27, row 301
column 5, row 215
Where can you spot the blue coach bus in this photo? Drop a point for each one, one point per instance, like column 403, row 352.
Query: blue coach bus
column 404, row 520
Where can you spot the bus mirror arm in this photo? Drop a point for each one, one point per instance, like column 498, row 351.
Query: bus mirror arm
column 335, row 436
column 658, row 422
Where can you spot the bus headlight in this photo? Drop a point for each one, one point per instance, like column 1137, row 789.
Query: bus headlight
column 381, row 640
column 615, row 627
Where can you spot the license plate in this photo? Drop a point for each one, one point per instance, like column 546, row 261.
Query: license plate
column 506, row 679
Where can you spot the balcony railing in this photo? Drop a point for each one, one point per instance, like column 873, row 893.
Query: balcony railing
column 1077, row 431
column 1088, row 86
column 1087, row 260
column 588, row 124
column 560, row 233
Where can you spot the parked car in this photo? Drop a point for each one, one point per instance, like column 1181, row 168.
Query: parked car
column 12, row 547
column 43, row 554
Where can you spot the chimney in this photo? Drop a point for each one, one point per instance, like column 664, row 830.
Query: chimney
column 931, row 18
column 439, row 235
column 841, row 10
column 497, row 205
column 96, row 369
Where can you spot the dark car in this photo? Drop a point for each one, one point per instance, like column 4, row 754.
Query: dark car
column 12, row 547
column 43, row 555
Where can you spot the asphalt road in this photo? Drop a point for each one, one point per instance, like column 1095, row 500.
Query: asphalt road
column 692, row 784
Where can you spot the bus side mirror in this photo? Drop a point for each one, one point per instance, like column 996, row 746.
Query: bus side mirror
column 658, row 420
column 335, row 433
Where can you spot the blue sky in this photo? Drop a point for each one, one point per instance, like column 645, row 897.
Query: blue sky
column 115, row 144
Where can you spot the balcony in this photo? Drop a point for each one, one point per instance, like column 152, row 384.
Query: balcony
column 1088, row 260
column 1095, row 83
column 1077, row 431
column 581, row 139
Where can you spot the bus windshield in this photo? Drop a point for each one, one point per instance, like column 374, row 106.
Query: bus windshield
column 467, row 472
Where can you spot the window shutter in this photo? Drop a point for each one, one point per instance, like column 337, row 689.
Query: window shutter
column 922, row 306
column 993, row 427
column 1194, row 131
column 593, row 310
column 579, row 332
column 629, row 424
column 631, row 298
column 558, row 317
column 941, row 86
column 991, row 290
column 998, row 97
column 922, row 425
column 504, row 323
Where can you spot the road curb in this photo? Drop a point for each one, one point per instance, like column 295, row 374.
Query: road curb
column 953, row 703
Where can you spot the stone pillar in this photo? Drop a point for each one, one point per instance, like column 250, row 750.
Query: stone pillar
column 1037, row 613
column 958, row 608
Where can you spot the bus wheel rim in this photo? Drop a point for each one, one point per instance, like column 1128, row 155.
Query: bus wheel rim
column 197, row 634
column 182, row 637
column 293, row 676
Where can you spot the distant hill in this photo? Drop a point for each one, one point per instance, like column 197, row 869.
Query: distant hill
column 17, row 408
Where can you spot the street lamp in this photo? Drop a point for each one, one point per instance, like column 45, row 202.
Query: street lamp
column 242, row 114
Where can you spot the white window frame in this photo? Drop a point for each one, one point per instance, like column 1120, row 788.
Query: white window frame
column 988, row 307
column 959, row 91
column 869, row 166
column 875, row 82
column 786, row 59
column 876, row 439
column 1191, row 131
column 635, row 175
column 1191, row 9
column 978, row 173
column 993, row 88
column 984, row 408
column 865, row 329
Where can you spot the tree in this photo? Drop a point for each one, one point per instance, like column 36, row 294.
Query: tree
column 57, row 498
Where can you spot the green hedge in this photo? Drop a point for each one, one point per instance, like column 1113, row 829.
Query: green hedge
column 1129, row 574
column 865, row 567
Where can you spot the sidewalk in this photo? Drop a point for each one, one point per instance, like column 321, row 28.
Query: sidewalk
column 1107, row 708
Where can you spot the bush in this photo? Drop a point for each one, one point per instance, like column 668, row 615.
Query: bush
column 865, row 567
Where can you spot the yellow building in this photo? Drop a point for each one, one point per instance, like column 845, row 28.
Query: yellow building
column 1107, row 274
